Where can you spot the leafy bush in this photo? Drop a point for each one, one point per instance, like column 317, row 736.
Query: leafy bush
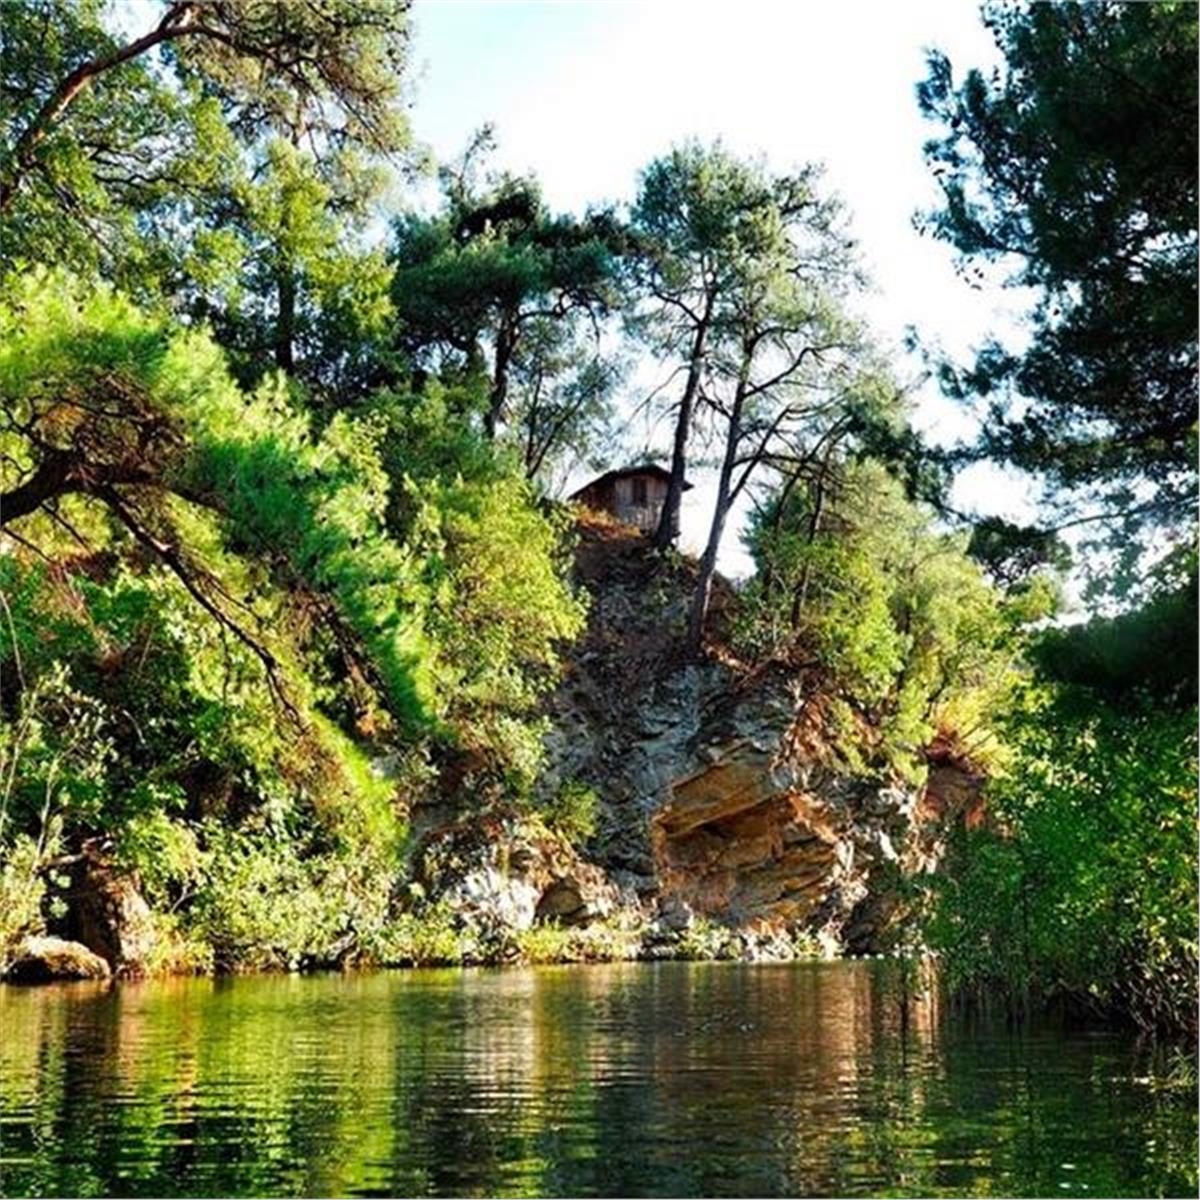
column 704, row 940
column 261, row 904
column 601, row 942
column 892, row 614
column 427, row 939
column 1083, row 887
column 21, row 893
column 573, row 812
column 494, row 570
column 258, row 906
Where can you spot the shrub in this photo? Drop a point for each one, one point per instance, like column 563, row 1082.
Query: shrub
column 427, row 939
column 21, row 892
column 601, row 942
column 260, row 906
column 573, row 812
column 1083, row 887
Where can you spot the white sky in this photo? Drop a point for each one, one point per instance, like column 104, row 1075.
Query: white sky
column 584, row 93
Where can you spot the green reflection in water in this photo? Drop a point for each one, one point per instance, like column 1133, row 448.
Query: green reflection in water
column 632, row 1079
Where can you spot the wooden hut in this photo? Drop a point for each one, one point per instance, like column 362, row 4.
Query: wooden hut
column 634, row 495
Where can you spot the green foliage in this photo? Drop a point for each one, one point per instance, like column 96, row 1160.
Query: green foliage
column 704, row 940
column 321, row 502
column 429, row 938
column 1151, row 648
column 573, row 812
column 248, row 460
column 21, row 893
column 1075, row 166
column 496, row 288
column 707, row 226
column 101, row 125
column 561, row 403
column 98, row 186
column 135, row 720
column 1014, row 555
column 890, row 611
column 56, row 753
column 164, row 853
column 262, row 585
column 746, row 279
column 262, row 904
column 1083, row 886
column 285, row 279
column 598, row 942
column 493, row 569
column 224, row 167
column 163, row 743
column 454, row 594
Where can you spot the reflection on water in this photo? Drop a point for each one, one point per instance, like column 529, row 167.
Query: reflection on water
column 634, row 1079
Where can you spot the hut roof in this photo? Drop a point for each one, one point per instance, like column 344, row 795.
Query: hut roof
column 623, row 472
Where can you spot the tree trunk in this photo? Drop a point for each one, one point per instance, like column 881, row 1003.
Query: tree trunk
column 285, row 327
column 668, row 522
column 506, row 344
column 708, row 563
column 800, row 595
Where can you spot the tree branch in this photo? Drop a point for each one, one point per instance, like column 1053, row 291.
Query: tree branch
column 190, row 578
column 74, row 83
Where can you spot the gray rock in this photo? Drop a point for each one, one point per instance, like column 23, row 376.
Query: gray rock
column 52, row 959
column 674, row 914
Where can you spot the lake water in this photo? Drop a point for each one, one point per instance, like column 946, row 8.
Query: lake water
column 633, row 1079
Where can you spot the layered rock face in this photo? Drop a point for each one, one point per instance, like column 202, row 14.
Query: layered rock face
column 723, row 796
column 500, row 875
column 746, row 841
column 107, row 914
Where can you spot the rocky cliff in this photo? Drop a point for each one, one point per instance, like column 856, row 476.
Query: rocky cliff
column 723, row 799
column 728, row 824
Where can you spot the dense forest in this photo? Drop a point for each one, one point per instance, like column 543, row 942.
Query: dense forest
column 284, row 553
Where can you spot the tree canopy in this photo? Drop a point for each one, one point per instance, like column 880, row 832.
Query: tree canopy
column 281, row 567
column 499, row 287
column 1073, row 167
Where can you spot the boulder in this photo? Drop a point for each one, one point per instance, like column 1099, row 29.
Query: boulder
column 52, row 959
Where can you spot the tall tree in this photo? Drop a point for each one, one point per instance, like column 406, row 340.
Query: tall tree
column 221, row 160
column 280, row 267
column 1075, row 165
column 698, row 226
column 473, row 280
column 779, row 371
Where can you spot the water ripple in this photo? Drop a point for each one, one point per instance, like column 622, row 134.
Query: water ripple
column 666, row 1079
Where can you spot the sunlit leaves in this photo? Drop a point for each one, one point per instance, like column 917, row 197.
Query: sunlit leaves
column 1073, row 167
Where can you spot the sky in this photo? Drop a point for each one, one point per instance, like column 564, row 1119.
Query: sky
column 583, row 93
